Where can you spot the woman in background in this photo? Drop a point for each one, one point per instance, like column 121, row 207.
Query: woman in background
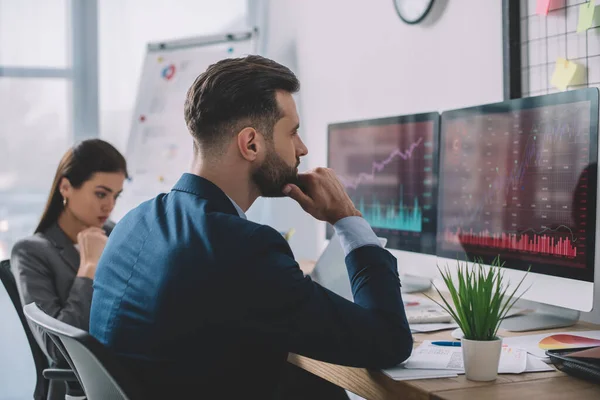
column 55, row 267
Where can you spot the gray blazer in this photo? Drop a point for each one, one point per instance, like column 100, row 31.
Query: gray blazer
column 45, row 266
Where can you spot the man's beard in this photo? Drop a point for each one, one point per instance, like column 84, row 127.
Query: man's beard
column 273, row 174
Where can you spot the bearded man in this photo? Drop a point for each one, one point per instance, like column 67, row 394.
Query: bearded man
column 198, row 302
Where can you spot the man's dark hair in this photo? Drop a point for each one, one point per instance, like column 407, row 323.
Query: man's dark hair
column 234, row 93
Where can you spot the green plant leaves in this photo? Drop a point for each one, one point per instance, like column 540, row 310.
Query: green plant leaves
column 479, row 299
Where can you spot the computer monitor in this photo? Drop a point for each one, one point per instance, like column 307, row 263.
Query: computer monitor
column 389, row 168
column 518, row 180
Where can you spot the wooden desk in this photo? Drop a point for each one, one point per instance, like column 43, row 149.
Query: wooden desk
column 378, row 386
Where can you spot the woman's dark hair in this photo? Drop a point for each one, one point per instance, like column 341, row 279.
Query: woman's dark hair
column 235, row 92
column 78, row 165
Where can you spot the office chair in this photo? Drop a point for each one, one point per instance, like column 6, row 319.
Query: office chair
column 44, row 374
column 101, row 376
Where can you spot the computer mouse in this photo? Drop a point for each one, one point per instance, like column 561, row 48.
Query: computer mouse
column 457, row 334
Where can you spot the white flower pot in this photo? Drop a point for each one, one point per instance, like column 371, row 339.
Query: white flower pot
column 481, row 359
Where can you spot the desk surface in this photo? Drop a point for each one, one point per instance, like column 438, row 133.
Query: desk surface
column 376, row 385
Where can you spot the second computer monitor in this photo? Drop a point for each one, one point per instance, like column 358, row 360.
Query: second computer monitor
column 389, row 168
column 518, row 180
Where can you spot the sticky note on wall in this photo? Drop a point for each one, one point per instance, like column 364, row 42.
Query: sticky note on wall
column 586, row 16
column 566, row 73
column 542, row 7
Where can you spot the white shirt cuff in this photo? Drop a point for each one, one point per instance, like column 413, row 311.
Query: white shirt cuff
column 355, row 232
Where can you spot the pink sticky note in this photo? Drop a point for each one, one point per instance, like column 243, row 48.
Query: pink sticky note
column 542, row 7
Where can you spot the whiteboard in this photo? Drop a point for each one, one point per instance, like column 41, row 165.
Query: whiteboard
column 160, row 147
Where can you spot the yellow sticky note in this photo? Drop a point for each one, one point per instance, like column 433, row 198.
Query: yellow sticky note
column 565, row 72
column 542, row 7
column 586, row 16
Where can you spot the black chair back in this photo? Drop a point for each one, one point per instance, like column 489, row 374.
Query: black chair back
column 39, row 358
column 100, row 374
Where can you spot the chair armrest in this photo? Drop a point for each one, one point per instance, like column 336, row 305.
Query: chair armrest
column 59, row 374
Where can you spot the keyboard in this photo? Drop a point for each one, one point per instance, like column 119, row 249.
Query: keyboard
column 436, row 315
column 429, row 315
column 420, row 310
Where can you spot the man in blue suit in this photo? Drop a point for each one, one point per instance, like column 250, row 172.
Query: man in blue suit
column 197, row 300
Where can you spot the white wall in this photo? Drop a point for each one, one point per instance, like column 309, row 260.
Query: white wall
column 356, row 59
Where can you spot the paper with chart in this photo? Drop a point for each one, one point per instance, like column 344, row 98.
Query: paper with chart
column 538, row 344
column 429, row 356
column 160, row 148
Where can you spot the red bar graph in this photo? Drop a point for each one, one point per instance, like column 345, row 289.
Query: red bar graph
column 541, row 244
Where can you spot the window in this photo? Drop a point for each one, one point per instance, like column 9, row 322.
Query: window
column 53, row 53
column 36, row 131
column 35, row 111
column 34, row 33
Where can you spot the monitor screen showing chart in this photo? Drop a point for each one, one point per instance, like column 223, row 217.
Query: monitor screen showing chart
column 388, row 166
column 518, row 180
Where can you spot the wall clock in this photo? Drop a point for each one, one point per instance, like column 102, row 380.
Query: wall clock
column 413, row 11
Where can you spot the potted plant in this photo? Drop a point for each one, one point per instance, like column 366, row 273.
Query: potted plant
column 479, row 302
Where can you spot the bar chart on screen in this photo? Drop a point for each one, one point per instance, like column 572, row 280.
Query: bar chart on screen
column 392, row 215
column 517, row 184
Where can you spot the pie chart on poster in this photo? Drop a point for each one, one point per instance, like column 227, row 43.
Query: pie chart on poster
column 168, row 72
column 563, row 341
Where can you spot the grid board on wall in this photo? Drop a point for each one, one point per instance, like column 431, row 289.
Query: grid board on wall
column 541, row 40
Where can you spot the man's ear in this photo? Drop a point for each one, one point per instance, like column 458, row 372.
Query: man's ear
column 64, row 187
column 250, row 143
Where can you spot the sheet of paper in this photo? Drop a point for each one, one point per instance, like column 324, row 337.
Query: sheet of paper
column 531, row 343
column 429, row 356
column 542, row 7
column 586, row 16
column 512, row 360
column 535, row 364
column 400, row 373
column 566, row 73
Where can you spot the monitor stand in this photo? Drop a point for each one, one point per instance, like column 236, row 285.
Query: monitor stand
column 414, row 284
column 544, row 317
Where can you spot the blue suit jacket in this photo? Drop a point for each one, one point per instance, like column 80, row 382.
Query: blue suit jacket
column 195, row 299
